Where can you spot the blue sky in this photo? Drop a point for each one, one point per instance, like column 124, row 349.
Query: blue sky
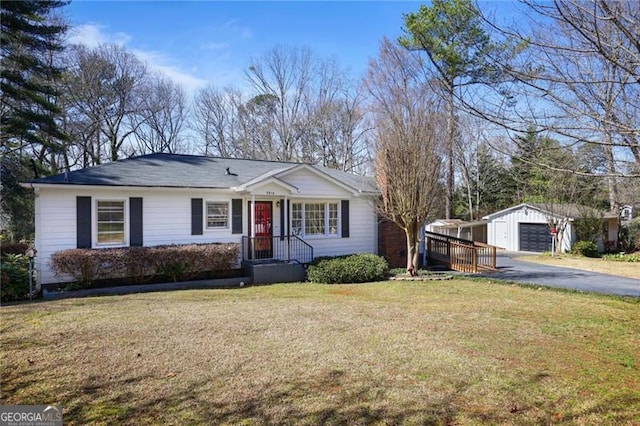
column 201, row 42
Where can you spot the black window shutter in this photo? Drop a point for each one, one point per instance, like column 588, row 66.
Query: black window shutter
column 83, row 222
column 135, row 222
column 236, row 216
column 282, row 220
column 196, row 216
column 345, row 218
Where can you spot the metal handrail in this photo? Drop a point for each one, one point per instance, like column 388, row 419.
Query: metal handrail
column 289, row 248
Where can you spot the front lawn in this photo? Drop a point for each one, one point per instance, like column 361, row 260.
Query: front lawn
column 602, row 265
column 444, row 352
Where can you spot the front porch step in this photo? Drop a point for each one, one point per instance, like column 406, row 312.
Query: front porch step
column 265, row 272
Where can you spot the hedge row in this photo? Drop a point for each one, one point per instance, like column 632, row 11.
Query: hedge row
column 354, row 268
column 177, row 262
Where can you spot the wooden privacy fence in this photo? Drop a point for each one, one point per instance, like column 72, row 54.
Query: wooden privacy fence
column 458, row 254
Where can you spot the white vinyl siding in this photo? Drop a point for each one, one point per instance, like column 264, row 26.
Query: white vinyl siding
column 110, row 222
column 217, row 215
column 314, row 186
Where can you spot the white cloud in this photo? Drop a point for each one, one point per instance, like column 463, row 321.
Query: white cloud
column 92, row 35
column 215, row 46
column 160, row 63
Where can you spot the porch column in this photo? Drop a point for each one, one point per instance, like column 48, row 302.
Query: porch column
column 286, row 217
column 286, row 226
column 253, row 216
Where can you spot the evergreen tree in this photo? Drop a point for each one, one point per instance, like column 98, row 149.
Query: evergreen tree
column 538, row 171
column 488, row 188
column 452, row 34
column 495, row 189
column 26, row 75
column 29, row 40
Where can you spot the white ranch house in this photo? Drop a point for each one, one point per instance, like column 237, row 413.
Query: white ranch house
column 161, row 199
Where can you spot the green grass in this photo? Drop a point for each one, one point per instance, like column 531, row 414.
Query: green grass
column 622, row 257
column 442, row 352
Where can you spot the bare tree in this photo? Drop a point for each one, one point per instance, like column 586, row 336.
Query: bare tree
column 577, row 81
column 160, row 122
column 300, row 108
column 105, row 90
column 458, row 49
column 407, row 134
column 336, row 133
column 216, row 120
column 283, row 77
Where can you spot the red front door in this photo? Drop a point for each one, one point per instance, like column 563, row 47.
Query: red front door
column 263, row 229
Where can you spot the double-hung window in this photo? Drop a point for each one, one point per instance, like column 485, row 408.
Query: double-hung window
column 217, row 215
column 314, row 218
column 110, row 226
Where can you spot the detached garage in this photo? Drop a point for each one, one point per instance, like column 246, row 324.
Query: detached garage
column 525, row 227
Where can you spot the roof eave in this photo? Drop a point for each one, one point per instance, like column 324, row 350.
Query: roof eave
column 69, row 185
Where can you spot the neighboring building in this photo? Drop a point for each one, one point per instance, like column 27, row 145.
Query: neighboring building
column 472, row 231
column 525, row 227
column 626, row 213
column 176, row 199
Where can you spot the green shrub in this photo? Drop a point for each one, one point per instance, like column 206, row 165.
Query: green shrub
column 397, row 271
column 630, row 235
column 618, row 257
column 585, row 248
column 177, row 262
column 14, row 281
column 355, row 268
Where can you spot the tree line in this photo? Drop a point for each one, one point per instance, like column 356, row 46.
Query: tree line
column 474, row 113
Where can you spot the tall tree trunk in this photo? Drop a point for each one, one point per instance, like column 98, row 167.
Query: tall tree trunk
column 611, row 169
column 451, row 132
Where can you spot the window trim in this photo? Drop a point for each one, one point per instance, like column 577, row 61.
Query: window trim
column 205, row 216
column 125, row 222
column 326, row 234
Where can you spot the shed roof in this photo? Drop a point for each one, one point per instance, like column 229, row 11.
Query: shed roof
column 568, row 210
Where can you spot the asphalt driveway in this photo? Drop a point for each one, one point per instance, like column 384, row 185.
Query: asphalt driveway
column 532, row 273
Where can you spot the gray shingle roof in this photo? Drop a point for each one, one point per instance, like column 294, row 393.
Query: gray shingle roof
column 568, row 210
column 188, row 171
column 573, row 211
